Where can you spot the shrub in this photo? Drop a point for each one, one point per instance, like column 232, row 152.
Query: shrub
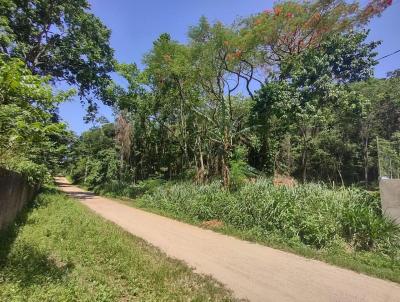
column 240, row 170
column 118, row 188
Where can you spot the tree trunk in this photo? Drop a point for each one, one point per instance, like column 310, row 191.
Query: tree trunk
column 366, row 161
column 304, row 165
column 304, row 157
column 201, row 170
column 86, row 172
column 121, row 167
column 225, row 173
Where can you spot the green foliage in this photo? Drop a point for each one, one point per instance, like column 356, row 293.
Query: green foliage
column 311, row 214
column 32, row 141
column 63, row 252
column 294, row 26
column 308, row 112
column 274, row 112
column 35, row 173
column 304, row 114
column 60, row 39
column 389, row 157
column 240, row 171
column 94, row 158
column 116, row 188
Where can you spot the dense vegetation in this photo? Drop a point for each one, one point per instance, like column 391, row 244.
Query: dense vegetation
column 44, row 43
column 59, row 39
column 62, row 252
column 310, row 213
column 288, row 91
column 32, row 140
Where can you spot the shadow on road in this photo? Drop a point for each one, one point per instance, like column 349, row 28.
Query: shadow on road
column 82, row 195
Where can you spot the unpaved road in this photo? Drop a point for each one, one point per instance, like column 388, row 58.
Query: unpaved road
column 252, row 271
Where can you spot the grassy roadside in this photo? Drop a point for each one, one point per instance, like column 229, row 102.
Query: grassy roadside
column 382, row 261
column 60, row 251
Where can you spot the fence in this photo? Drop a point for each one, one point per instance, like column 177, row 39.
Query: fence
column 389, row 174
column 388, row 159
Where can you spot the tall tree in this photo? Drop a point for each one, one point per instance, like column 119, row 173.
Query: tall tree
column 31, row 138
column 195, row 110
column 60, row 39
column 311, row 91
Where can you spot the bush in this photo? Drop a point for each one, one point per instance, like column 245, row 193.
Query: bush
column 36, row 174
column 240, row 171
column 117, row 188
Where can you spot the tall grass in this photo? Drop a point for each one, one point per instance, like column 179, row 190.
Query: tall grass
column 116, row 188
column 312, row 214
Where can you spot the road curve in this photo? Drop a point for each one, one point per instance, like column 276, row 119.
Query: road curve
column 252, row 271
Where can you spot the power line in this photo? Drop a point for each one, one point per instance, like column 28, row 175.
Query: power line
column 391, row 54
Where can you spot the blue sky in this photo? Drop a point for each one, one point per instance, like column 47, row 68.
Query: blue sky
column 136, row 24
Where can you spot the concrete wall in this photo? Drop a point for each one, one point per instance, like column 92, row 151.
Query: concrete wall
column 15, row 193
column 390, row 198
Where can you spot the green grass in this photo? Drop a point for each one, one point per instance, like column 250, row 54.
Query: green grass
column 343, row 227
column 60, row 251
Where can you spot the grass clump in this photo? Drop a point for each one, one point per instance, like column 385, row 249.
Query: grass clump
column 342, row 226
column 63, row 252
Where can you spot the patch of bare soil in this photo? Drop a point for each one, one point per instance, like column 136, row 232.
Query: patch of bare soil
column 286, row 181
column 212, row 224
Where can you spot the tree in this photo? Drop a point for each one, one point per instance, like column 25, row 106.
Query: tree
column 290, row 28
column 60, row 39
column 194, row 110
column 379, row 116
column 394, row 73
column 32, row 140
column 95, row 158
column 312, row 92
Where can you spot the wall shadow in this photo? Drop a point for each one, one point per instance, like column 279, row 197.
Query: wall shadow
column 33, row 267
column 10, row 233
column 29, row 266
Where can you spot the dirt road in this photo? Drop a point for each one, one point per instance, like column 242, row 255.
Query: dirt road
column 252, row 271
